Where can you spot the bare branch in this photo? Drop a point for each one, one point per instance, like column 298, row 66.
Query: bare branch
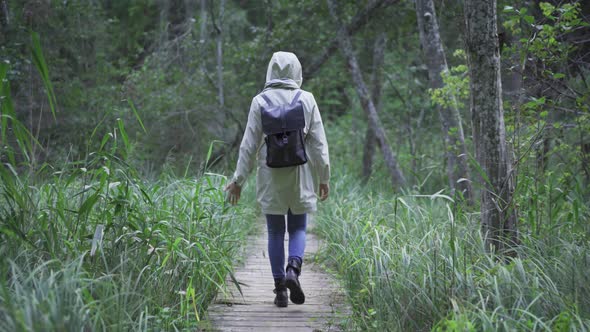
column 357, row 22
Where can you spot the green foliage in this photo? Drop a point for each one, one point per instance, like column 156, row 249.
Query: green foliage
column 97, row 246
column 458, row 323
column 455, row 91
column 41, row 66
column 94, row 245
column 548, row 130
column 418, row 262
column 9, row 123
column 546, row 37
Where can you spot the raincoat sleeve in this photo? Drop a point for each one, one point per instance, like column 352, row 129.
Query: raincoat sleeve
column 317, row 146
column 249, row 146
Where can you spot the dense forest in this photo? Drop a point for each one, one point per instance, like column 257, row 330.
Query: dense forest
column 459, row 136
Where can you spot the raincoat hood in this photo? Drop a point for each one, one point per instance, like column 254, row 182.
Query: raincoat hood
column 284, row 71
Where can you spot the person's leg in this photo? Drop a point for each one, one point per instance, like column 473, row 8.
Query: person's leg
column 276, row 244
column 296, row 224
column 276, row 253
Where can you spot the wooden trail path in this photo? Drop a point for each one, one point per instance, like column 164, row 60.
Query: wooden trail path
column 323, row 310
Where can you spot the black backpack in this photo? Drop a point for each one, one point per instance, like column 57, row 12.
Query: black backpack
column 283, row 126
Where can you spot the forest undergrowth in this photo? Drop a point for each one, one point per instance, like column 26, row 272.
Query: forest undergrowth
column 413, row 261
column 97, row 247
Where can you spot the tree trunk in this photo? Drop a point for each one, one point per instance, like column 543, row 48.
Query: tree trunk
column 203, row 29
column 376, row 80
column 397, row 177
column 450, row 118
column 5, row 19
column 498, row 214
column 269, row 27
column 189, row 12
column 220, row 55
column 164, row 8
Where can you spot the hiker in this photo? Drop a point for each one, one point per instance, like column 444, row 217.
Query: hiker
column 285, row 139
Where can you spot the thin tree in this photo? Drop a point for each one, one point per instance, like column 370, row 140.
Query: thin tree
column 164, row 8
column 5, row 18
column 498, row 214
column 203, row 19
column 376, row 86
column 220, row 116
column 450, row 118
column 219, row 28
column 189, row 12
column 345, row 45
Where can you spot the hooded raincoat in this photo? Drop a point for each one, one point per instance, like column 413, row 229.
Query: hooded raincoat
column 281, row 189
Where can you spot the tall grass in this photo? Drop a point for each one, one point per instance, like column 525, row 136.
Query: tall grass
column 97, row 247
column 94, row 245
column 418, row 263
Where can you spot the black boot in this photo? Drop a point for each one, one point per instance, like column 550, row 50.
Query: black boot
column 282, row 299
column 292, row 280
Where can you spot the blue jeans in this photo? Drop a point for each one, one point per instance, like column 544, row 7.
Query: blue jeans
column 296, row 225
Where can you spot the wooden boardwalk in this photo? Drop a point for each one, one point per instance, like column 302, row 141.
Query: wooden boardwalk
column 255, row 311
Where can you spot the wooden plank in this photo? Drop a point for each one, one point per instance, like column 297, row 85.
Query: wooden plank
column 285, row 325
column 263, row 309
column 253, row 309
column 263, row 329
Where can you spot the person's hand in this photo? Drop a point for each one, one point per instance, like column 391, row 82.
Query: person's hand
column 234, row 192
column 324, row 191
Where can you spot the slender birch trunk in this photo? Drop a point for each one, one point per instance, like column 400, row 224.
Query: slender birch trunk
column 397, row 177
column 498, row 214
column 450, row 118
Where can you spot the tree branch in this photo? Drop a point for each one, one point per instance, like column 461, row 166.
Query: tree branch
column 345, row 46
column 357, row 22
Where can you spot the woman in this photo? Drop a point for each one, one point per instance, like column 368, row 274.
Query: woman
column 289, row 190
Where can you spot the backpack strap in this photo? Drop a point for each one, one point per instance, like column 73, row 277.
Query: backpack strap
column 296, row 98
column 270, row 103
column 267, row 100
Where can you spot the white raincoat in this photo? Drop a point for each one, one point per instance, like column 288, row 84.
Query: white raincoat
column 281, row 189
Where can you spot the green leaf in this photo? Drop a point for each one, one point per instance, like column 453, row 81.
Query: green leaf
column 124, row 136
column 136, row 114
column 86, row 207
column 547, row 9
column 105, row 139
column 41, row 65
column 210, row 152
